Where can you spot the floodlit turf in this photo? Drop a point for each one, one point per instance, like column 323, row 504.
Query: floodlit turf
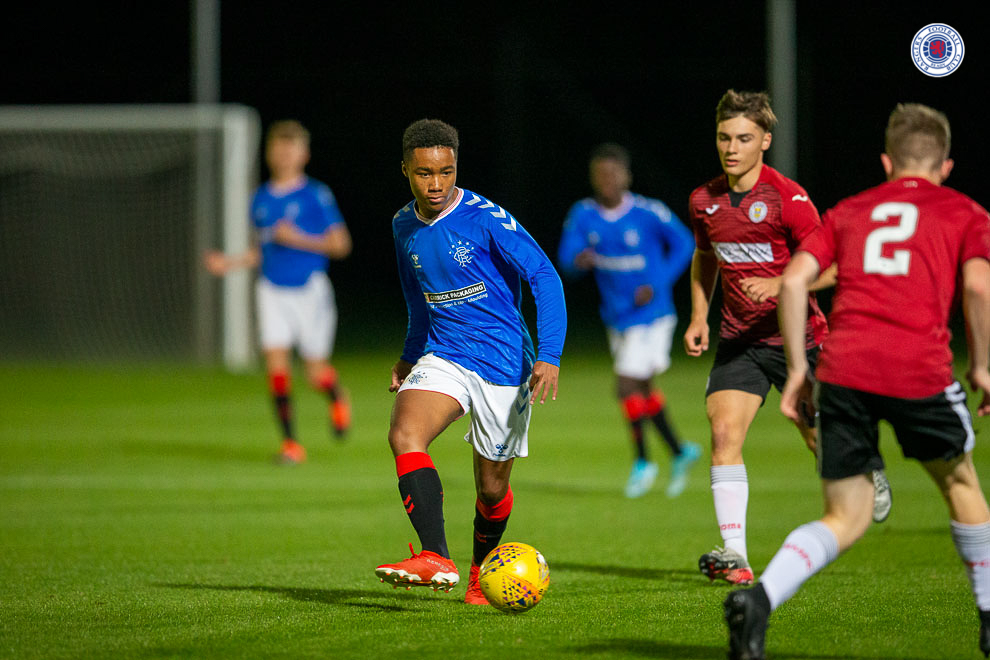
column 140, row 516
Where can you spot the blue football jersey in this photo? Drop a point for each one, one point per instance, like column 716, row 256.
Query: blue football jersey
column 313, row 209
column 461, row 276
column 639, row 242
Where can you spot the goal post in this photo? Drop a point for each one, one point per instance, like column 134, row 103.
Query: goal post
column 105, row 212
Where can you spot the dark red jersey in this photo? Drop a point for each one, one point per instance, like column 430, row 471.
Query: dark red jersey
column 900, row 247
column 753, row 235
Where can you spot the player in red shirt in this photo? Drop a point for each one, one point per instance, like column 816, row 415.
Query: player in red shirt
column 747, row 222
column 904, row 250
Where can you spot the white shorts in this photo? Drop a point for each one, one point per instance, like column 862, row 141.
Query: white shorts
column 641, row 351
column 303, row 316
column 499, row 413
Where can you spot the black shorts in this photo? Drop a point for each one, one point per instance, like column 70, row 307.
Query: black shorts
column 751, row 368
column 938, row 426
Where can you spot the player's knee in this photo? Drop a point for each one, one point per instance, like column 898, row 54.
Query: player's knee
column 493, row 492
column 403, row 439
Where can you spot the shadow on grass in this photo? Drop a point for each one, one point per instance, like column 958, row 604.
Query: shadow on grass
column 658, row 648
column 346, row 597
column 642, row 573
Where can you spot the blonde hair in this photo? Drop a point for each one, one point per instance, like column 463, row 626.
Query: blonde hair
column 287, row 129
column 918, row 137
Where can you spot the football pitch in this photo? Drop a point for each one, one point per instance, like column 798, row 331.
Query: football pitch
column 141, row 517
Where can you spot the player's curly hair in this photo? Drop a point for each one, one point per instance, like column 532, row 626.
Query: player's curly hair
column 611, row 151
column 917, row 136
column 754, row 106
column 426, row 133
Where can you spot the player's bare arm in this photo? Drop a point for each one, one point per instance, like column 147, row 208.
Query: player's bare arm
column 643, row 295
column 335, row 242
column 792, row 315
column 585, row 259
column 976, row 308
column 704, row 274
column 543, row 382
column 400, row 370
column 219, row 263
column 760, row 289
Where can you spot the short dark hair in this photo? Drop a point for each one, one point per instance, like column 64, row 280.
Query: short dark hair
column 917, row 136
column 426, row 133
column 754, row 106
column 611, row 151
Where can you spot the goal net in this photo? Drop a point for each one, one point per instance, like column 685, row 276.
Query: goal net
column 105, row 212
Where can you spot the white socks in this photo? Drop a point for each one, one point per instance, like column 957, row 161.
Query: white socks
column 730, row 490
column 973, row 545
column 806, row 550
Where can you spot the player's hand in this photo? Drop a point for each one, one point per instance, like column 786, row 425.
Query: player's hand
column 796, row 400
column 696, row 338
column 400, row 370
column 643, row 295
column 285, row 232
column 979, row 381
column 585, row 259
column 216, row 263
column 544, row 379
column 760, row 289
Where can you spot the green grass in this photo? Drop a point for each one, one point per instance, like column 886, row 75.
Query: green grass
column 140, row 517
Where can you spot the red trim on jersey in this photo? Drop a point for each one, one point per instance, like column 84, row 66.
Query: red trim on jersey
column 411, row 461
column 634, row 406
column 655, row 403
column 498, row 511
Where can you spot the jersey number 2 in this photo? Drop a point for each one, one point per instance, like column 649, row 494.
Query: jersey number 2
column 900, row 261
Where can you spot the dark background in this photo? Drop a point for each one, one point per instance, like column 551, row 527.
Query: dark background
column 530, row 87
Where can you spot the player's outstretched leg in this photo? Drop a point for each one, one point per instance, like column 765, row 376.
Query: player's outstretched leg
column 746, row 613
column 882, row 500
column 422, row 498
column 339, row 403
column 644, row 471
column 291, row 452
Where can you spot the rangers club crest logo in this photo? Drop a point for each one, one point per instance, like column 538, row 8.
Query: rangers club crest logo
column 937, row 50
column 758, row 212
column 461, row 252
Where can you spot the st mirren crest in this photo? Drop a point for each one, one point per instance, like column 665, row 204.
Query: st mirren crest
column 758, row 211
column 461, row 252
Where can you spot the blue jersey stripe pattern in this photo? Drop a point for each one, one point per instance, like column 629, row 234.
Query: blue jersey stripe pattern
column 310, row 207
column 643, row 243
column 461, row 276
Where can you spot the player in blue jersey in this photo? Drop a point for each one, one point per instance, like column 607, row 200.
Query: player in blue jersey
column 299, row 229
column 462, row 259
column 637, row 248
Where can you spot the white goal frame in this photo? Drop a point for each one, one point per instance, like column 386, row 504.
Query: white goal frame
column 240, row 130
